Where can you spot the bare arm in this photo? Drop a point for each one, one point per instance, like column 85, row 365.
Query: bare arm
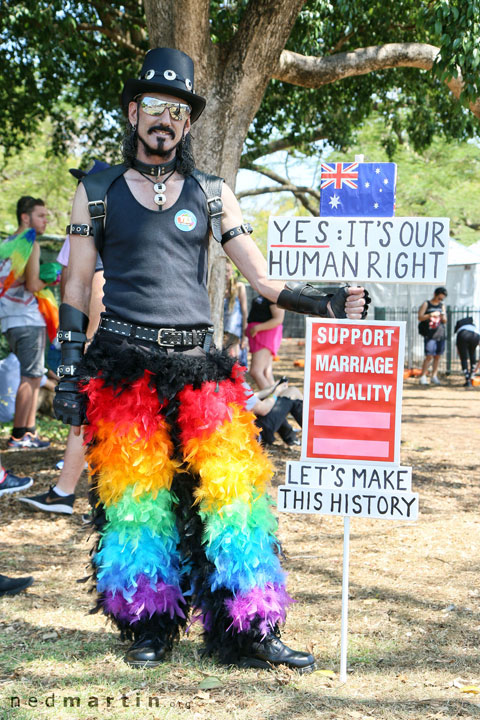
column 263, row 407
column 242, row 296
column 83, row 257
column 32, row 270
column 243, row 251
column 96, row 304
column 421, row 313
column 277, row 318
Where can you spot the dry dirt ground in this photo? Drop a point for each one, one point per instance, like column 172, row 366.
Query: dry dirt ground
column 414, row 625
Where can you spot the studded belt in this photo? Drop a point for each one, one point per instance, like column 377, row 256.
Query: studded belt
column 165, row 337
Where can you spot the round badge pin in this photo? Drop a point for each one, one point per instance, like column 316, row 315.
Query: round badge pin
column 185, row 220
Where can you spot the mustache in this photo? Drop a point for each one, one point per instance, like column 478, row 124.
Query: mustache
column 164, row 128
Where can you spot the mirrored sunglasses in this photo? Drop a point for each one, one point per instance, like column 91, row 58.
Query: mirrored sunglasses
column 154, row 106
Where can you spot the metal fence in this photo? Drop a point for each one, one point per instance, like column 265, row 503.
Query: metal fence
column 294, row 327
column 414, row 353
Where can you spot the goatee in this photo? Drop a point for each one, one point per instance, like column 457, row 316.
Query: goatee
column 159, row 150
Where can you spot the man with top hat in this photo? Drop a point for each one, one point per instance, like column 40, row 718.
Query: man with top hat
column 178, row 478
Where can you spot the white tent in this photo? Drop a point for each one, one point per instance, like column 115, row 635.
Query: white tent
column 463, row 283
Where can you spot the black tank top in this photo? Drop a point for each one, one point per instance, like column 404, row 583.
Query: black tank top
column 260, row 310
column 155, row 263
column 437, row 332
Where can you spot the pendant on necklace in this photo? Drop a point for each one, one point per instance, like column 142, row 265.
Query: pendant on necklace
column 160, row 197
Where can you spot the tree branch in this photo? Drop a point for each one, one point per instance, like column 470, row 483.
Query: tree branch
column 314, row 72
column 288, row 187
column 285, row 143
column 108, row 32
column 282, row 181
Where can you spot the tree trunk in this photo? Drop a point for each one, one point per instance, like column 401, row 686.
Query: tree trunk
column 233, row 81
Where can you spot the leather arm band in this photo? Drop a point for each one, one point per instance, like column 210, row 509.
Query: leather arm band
column 84, row 230
column 243, row 229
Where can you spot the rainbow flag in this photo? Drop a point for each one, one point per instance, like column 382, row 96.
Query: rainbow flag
column 18, row 249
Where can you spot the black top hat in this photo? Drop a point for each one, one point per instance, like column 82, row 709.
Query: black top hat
column 169, row 71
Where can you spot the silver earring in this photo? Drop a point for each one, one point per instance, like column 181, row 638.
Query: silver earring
column 134, row 128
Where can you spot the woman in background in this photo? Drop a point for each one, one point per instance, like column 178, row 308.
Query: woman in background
column 264, row 332
column 234, row 314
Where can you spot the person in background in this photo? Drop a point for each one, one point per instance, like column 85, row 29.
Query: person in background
column 432, row 320
column 24, row 325
column 60, row 498
column 234, row 314
column 13, row 586
column 264, row 332
column 271, row 408
column 468, row 338
column 10, row 483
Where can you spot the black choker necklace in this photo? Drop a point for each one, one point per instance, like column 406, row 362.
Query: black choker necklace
column 155, row 170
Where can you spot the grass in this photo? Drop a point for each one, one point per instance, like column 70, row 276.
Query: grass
column 414, row 625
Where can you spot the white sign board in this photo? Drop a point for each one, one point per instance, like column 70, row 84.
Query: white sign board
column 353, row 503
column 348, row 476
column 396, row 250
column 340, row 488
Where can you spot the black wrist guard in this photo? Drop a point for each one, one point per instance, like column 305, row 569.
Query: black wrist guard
column 71, row 335
column 309, row 301
column 69, row 404
column 304, row 299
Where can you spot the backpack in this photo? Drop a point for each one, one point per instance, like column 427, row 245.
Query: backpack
column 97, row 185
column 423, row 328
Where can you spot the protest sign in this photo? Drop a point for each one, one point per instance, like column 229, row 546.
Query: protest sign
column 352, row 390
column 348, row 476
column 383, row 505
column 406, row 249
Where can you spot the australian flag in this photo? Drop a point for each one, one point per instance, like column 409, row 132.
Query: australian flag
column 358, row 189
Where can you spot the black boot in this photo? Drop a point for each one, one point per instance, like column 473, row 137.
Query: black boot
column 271, row 651
column 146, row 652
column 12, row 586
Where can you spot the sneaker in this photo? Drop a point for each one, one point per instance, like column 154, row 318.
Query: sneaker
column 423, row 380
column 435, row 380
column 11, row 483
column 51, row 502
column 28, row 442
column 12, row 586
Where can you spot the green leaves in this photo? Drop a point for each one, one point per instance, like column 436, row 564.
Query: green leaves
column 456, row 23
column 68, row 61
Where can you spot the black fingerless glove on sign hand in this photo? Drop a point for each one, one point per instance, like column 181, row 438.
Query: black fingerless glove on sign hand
column 337, row 303
column 69, row 404
column 306, row 299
